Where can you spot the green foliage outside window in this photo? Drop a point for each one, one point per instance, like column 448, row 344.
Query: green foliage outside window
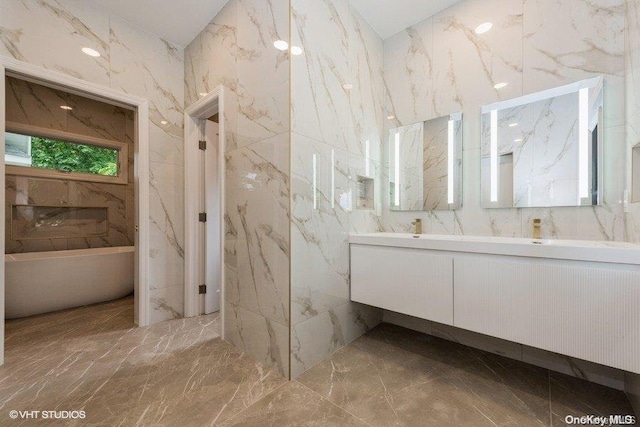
column 70, row 157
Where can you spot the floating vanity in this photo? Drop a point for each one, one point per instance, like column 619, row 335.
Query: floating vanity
column 578, row 298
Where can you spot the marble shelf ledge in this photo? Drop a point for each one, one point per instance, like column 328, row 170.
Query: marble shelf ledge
column 577, row 250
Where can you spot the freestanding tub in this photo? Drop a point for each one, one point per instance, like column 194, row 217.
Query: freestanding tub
column 40, row 282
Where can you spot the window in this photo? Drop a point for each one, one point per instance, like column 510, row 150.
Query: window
column 66, row 156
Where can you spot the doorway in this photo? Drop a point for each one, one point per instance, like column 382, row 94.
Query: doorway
column 140, row 106
column 204, row 206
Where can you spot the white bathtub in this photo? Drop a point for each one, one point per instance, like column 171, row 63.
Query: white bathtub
column 40, row 282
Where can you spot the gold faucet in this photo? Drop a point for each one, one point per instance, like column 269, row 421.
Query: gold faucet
column 418, row 226
column 536, row 228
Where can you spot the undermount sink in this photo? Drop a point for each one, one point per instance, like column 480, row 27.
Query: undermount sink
column 580, row 250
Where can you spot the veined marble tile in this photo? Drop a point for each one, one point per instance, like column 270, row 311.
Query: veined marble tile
column 114, row 198
column 210, row 61
column 97, row 119
column 166, row 263
column 408, row 75
column 166, row 303
column 468, row 65
column 147, row 66
column 365, row 220
column 320, row 336
column 366, row 96
column 319, row 228
column 472, row 219
column 571, row 40
column 165, row 148
column 265, row 340
column 320, row 76
column 263, row 96
column 258, row 214
column 65, row 27
column 24, row 190
column 586, row 223
column 34, row 104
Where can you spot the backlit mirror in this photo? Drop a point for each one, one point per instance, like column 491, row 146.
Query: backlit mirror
column 544, row 149
column 425, row 165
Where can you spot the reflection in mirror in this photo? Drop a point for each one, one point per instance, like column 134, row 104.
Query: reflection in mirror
column 425, row 165
column 544, row 149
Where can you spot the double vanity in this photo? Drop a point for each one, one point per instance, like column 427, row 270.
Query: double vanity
column 577, row 298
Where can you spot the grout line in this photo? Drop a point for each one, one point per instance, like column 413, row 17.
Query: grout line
column 330, row 401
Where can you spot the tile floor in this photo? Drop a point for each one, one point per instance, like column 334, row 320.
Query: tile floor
column 179, row 373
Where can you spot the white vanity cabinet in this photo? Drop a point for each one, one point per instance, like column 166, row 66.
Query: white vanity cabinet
column 414, row 282
column 590, row 311
column 580, row 299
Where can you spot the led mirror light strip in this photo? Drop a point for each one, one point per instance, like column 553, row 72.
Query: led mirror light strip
column 397, row 169
column 450, row 154
column 583, row 142
column 494, row 155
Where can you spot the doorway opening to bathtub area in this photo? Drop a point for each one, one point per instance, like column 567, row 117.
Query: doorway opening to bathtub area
column 204, row 147
column 76, row 205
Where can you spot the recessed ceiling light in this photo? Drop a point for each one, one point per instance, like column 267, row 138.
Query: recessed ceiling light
column 91, row 52
column 164, row 122
column 484, row 27
column 512, row 125
column 517, row 140
column 66, row 107
column 500, row 85
column 203, row 94
column 391, row 117
column 347, row 86
column 281, row 45
column 296, row 50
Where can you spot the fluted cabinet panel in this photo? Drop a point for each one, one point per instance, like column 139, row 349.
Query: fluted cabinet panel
column 589, row 311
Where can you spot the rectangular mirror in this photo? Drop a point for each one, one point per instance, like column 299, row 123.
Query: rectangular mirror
column 425, row 165
column 544, row 149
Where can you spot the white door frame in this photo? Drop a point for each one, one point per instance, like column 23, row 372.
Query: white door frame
column 193, row 116
column 141, row 156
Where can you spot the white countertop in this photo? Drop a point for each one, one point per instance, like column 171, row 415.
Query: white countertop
column 578, row 250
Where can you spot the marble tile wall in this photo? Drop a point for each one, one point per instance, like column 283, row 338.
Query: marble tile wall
column 336, row 135
column 36, row 105
column 50, row 34
column 236, row 50
column 632, row 128
column 440, row 66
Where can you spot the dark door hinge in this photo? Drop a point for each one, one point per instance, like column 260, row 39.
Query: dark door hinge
column 202, row 289
column 202, row 145
column 202, row 217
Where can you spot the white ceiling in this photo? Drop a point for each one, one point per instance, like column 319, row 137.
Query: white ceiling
column 181, row 21
column 387, row 17
column 176, row 21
